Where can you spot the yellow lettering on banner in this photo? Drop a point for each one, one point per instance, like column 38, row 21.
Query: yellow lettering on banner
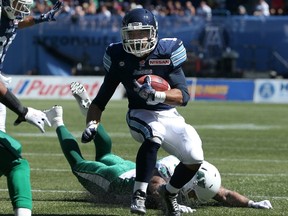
column 212, row 89
column 199, row 89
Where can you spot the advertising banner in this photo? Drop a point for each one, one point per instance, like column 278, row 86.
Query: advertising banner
column 271, row 91
column 56, row 87
column 221, row 90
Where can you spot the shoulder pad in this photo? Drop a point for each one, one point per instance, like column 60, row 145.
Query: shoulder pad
column 113, row 51
column 174, row 48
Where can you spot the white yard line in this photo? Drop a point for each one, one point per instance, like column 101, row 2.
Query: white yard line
column 85, row 192
column 222, row 174
column 234, row 126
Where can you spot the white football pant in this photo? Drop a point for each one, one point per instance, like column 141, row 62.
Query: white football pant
column 178, row 138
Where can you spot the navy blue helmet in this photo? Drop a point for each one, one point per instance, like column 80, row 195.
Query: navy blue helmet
column 139, row 32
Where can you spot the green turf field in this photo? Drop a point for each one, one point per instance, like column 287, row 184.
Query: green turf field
column 246, row 142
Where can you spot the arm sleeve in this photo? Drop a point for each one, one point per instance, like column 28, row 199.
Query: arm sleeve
column 177, row 80
column 109, row 84
column 13, row 103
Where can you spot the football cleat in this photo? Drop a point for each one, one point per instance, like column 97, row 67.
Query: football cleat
column 55, row 115
column 138, row 203
column 172, row 206
column 80, row 94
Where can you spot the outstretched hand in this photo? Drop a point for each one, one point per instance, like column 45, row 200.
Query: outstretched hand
column 49, row 16
column 34, row 117
column 264, row 204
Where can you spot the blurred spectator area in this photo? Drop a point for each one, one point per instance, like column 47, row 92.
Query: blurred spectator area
column 225, row 45
column 162, row 7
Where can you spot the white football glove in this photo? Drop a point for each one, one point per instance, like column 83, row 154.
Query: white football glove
column 265, row 204
column 186, row 209
column 34, row 117
column 90, row 132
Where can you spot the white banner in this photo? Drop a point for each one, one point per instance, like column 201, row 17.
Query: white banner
column 56, row 87
column 271, row 91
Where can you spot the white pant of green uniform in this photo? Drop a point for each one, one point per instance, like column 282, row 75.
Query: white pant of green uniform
column 108, row 173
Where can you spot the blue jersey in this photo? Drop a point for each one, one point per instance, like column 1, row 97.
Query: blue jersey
column 121, row 67
column 7, row 34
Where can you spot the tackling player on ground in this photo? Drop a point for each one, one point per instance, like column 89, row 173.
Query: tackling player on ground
column 119, row 174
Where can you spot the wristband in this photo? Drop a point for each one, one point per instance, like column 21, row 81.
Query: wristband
column 93, row 122
column 159, row 97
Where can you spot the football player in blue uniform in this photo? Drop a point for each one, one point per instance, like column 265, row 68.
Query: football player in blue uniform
column 15, row 15
column 152, row 116
column 119, row 174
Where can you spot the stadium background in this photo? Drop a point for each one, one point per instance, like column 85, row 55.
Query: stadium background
column 246, row 141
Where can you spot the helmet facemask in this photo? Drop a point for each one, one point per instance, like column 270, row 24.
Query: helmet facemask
column 139, row 39
column 17, row 9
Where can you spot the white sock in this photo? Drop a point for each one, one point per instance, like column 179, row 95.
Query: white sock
column 140, row 186
column 22, row 212
column 171, row 189
column 58, row 121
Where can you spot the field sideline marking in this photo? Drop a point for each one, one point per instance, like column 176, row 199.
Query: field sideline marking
column 85, row 192
column 228, row 174
column 211, row 159
column 76, row 134
column 208, row 126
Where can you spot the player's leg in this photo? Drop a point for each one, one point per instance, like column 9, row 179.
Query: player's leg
column 145, row 129
column 103, row 143
column 19, row 186
column 188, row 149
column 87, row 172
column 67, row 141
column 17, row 171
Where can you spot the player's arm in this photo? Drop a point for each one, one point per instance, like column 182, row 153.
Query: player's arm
column 234, row 199
column 95, row 110
column 99, row 103
column 177, row 79
column 231, row 198
column 94, row 113
column 173, row 97
column 47, row 17
column 32, row 116
column 178, row 95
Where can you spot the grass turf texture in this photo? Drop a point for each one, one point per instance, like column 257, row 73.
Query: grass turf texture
column 246, row 142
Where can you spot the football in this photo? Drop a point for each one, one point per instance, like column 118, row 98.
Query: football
column 157, row 82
